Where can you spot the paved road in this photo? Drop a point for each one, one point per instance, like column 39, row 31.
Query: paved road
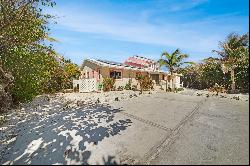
column 153, row 129
column 218, row 133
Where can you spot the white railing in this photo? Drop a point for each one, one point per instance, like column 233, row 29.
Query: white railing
column 85, row 85
column 170, row 85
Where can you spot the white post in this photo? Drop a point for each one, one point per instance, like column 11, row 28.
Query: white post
column 171, row 84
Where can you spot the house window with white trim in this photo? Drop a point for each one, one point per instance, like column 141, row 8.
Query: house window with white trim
column 115, row 74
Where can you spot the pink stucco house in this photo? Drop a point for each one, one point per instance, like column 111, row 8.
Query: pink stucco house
column 123, row 72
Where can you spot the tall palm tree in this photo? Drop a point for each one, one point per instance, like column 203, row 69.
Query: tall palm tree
column 173, row 62
column 233, row 50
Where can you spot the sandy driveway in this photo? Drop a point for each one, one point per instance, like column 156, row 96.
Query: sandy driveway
column 150, row 129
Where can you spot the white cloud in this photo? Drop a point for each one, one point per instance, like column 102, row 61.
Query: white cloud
column 184, row 5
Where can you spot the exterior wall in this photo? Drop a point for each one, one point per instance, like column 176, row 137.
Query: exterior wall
column 177, row 81
column 126, row 76
column 93, row 71
column 90, row 69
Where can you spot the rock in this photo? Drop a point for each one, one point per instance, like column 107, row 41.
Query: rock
column 66, row 152
column 130, row 96
column 98, row 100
column 47, row 98
column 236, row 97
column 116, row 99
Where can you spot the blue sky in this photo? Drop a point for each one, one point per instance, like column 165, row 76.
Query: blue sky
column 116, row 29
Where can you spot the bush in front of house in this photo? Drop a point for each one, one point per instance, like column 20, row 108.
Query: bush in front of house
column 128, row 86
column 179, row 89
column 145, row 82
column 108, row 84
column 100, row 86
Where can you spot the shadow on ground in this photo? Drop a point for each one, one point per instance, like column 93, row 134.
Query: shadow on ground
column 64, row 135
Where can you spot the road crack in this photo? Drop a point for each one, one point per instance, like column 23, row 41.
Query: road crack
column 148, row 122
column 170, row 138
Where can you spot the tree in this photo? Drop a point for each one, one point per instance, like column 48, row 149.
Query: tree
column 23, row 50
column 71, row 71
column 234, row 50
column 173, row 62
column 206, row 74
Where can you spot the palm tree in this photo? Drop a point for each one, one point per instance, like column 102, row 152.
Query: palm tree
column 173, row 62
column 233, row 50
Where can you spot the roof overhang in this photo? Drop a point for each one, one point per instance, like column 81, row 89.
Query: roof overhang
column 125, row 67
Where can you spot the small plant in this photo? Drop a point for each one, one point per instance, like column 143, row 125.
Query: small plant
column 128, row 85
column 120, row 88
column 108, row 84
column 100, row 86
column 113, row 88
column 179, row 89
column 176, row 89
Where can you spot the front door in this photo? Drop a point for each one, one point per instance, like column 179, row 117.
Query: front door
column 156, row 78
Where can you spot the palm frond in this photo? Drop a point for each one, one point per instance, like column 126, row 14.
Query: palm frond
column 51, row 39
column 181, row 57
column 163, row 62
column 166, row 54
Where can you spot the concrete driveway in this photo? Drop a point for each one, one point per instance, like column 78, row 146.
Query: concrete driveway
column 151, row 129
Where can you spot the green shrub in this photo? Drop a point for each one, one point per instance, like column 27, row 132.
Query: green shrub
column 128, row 85
column 55, row 81
column 25, row 46
column 108, row 84
column 100, row 86
column 180, row 89
column 146, row 83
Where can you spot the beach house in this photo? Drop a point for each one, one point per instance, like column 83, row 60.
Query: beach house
column 98, row 69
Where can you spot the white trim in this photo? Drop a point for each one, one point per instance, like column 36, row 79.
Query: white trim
column 102, row 64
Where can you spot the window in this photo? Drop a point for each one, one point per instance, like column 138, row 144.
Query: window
column 93, row 74
column 116, row 74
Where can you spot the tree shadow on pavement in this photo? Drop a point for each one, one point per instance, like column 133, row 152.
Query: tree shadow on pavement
column 64, row 135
